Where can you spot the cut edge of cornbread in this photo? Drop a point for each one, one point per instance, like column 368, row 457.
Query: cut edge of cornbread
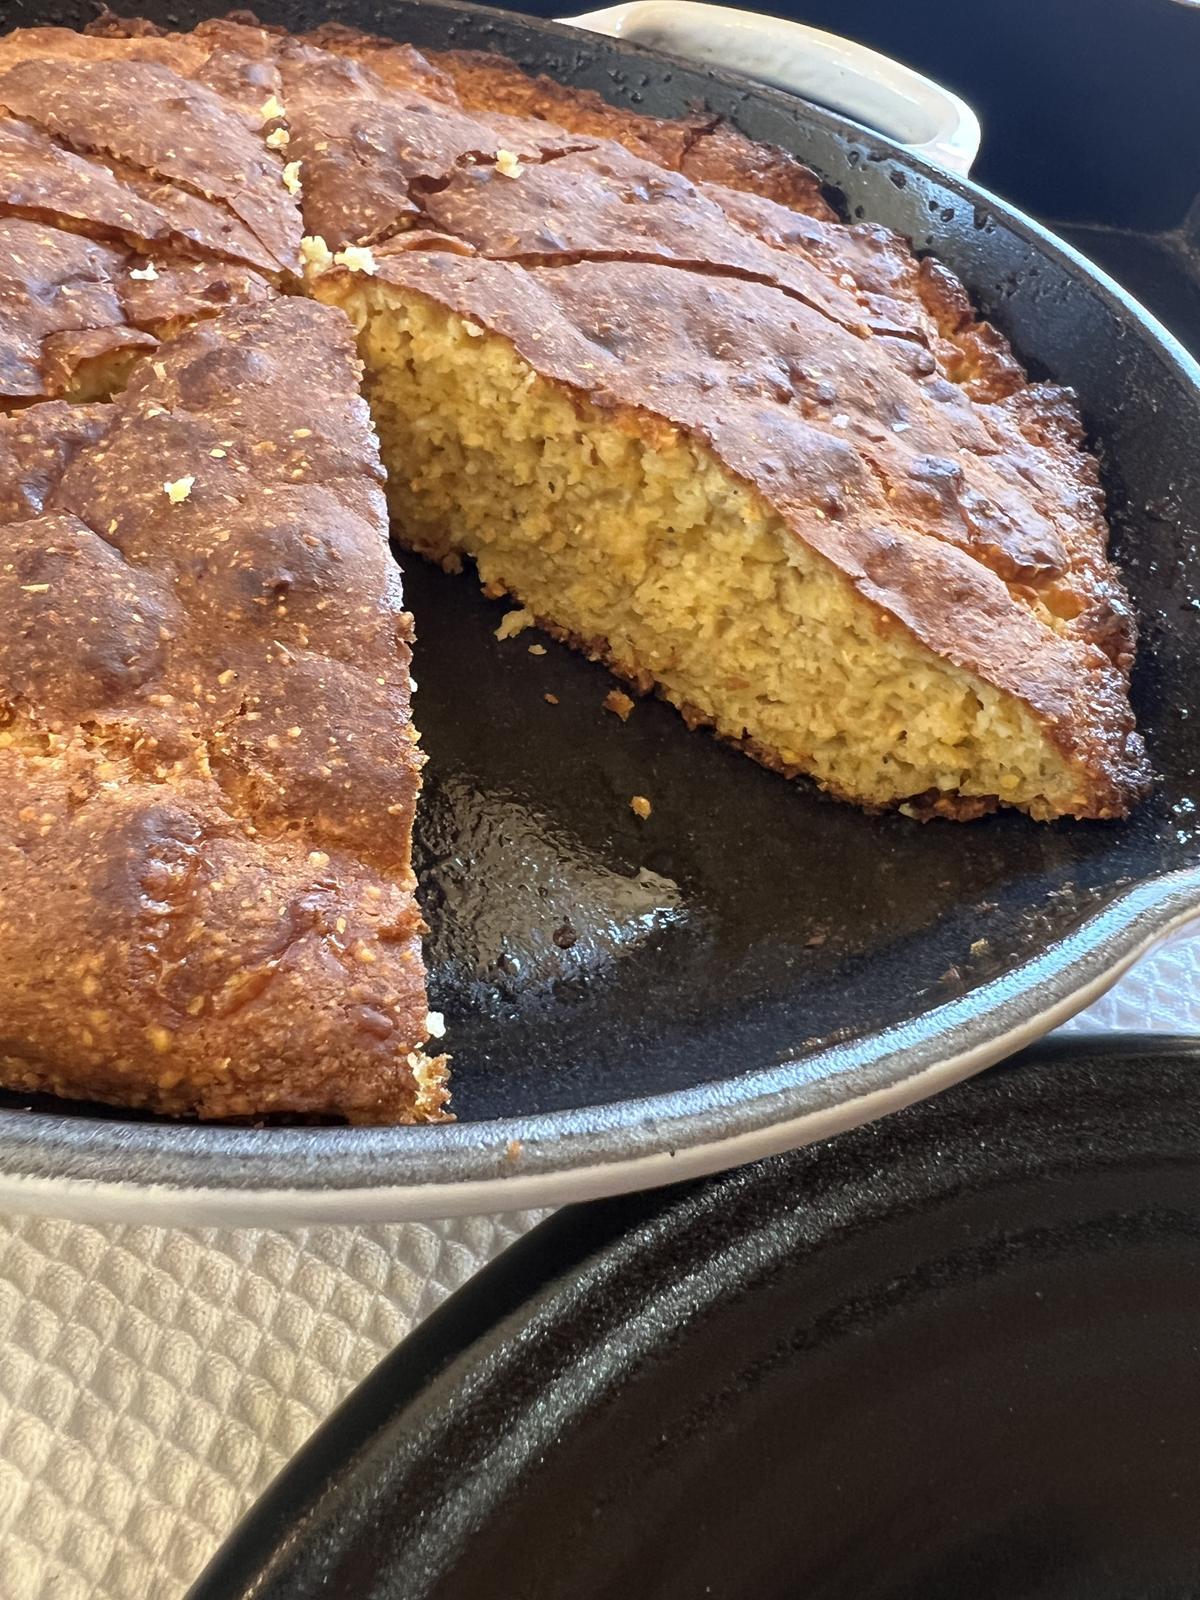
column 629, row 539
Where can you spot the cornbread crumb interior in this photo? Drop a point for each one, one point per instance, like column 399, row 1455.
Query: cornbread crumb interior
column 641, row 548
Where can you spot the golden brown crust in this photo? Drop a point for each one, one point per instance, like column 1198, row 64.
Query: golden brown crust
column 370, row 153
column 701, row 146
column 720, row 154
column 207, row 764
column 70, row 304
column 397, row 65
column 900, row 482
column 36, row 448
column 53, row 285
column 45, row 182
column 602, row 202
column 486, row 83
column 208, row 145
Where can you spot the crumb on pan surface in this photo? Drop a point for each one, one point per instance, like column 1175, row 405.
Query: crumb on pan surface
column 514, row 623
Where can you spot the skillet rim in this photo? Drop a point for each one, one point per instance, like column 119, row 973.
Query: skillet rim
column 206, row 1175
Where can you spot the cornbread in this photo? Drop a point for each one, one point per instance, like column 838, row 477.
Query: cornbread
column 620, row 454
column 207, row 768
column 771, row 465
column 637, row 372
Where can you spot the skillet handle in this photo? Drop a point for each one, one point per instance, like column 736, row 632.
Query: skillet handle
column 847, row 77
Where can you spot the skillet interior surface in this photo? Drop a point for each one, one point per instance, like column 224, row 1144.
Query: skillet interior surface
column 586, row 959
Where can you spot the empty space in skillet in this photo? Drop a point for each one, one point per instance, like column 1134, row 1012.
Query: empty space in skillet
column 952, row 1354
column 582, row 956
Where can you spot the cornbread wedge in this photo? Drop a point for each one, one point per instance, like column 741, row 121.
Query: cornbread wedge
column 712, row 487
column 207, row 768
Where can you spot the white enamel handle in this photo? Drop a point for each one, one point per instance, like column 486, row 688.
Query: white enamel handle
column 847, row 77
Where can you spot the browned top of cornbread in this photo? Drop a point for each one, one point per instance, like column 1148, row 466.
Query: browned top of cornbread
column 701, row 146
column 44, row 180
column 621, row 189
column 337, row 114
column 137, row 193
column 389, row 142
column 70, row 304
column 604, row 203
column 160, row 123
column 207, row 767
column 990, row 508
column 977, row 527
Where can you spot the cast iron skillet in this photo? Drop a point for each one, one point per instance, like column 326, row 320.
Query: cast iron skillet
column 755, row 966
column 950, row 1355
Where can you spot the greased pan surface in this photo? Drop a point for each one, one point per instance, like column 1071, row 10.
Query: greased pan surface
column 949, row 1355
column 754, row 966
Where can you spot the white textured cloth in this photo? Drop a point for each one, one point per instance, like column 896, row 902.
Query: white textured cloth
column 153, row 1381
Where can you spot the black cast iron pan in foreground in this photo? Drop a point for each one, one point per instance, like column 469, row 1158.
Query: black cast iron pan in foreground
column 951, row 1356
column 754, row 966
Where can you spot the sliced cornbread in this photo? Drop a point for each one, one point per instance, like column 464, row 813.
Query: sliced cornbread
column 846, row 531
column 711, row 486
column 207, row 766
